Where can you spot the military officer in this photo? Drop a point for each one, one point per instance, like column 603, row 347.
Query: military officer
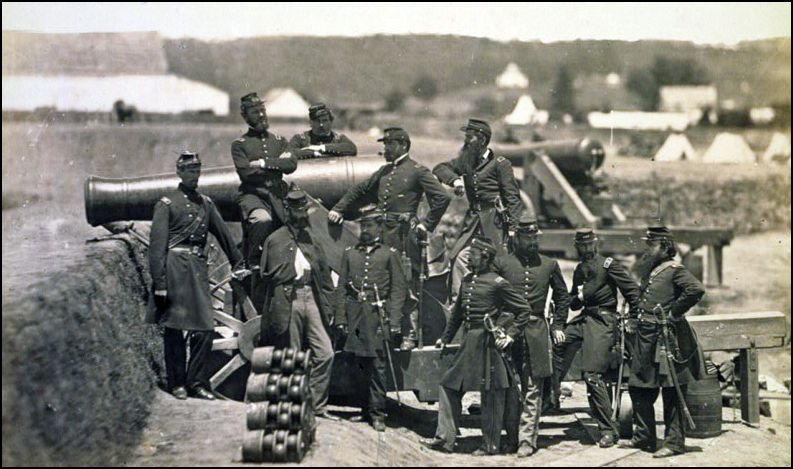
column 489, row 184
column 532, row 275
column 298, row 298
column 180, row 225
column 398, row 187
column 486, row 302
column 664, row 284
column 596, row 280
column 370, row 275
column 261, row 159
column 321, row 141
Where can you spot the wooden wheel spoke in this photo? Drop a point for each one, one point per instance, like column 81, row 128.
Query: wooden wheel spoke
column 230, row 343
column 227, row 320
column 228, row 369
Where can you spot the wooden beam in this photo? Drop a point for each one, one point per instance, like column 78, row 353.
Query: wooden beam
column 738, row 331
column 557, row 189
column 750, row 386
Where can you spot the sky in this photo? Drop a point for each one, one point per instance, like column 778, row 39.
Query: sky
column 703, row 23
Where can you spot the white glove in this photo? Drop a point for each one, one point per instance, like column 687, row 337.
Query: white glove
column 335, row 217
column 504, row 342
column 459, row 186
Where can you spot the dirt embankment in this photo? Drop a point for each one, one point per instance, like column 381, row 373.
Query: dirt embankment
column 79, row 365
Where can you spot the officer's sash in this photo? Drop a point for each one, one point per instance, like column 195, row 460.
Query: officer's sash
column 190, row 229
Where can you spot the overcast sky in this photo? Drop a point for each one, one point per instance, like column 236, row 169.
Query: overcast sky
column 705, row 23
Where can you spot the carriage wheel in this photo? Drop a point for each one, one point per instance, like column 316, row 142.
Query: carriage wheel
column 237, row 327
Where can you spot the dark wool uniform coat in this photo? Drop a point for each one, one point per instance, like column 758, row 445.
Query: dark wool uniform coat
column 478, row 364
column 262, row 187
column 363, row 267
column 599, row 279
column 532, row 276
column 335, row 145
column 397, row 189
column 179, row 229
column 492, row 178
column 673, row 287
column 278, row 277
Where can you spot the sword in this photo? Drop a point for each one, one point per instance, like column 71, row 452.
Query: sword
column 381, row 314
column 668, row 353
column 618, row 390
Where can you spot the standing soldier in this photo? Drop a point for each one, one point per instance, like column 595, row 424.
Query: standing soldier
column 493, row 315
column 398, row 187
column 668, row 291
column 321, row 141
column 369, row 312
column 182, row 219
column 261, row 159
column 297, row 301
column 494, row 204
column 596, row 280
column 532, row 275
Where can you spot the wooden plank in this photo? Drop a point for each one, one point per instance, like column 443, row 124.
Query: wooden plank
column 557, row 189
column 735, row 331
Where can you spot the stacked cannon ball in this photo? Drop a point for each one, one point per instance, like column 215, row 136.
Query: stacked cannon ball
column 280, row 415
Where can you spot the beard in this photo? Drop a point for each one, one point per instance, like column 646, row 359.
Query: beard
column 299, row 222
column 368, row 238
column 646, row 264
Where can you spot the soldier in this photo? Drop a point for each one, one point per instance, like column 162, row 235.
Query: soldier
column 532, row 275
column 371, row 271
column 321, row 141
column 485, row 300
column 299, row 288
column 261, row 159
column 596, row 280
column 182, row 219
column 398, row 187
column 489, row 184
column 668, row 285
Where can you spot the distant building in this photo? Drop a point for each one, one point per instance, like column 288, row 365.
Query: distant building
column 512, row 77
column 688, row 98
column 92, row 72
column 285, row 103
column 165, row 94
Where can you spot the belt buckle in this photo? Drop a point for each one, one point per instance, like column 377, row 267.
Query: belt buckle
column 362, row 296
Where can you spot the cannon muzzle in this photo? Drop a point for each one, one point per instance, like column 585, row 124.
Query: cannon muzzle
column 577, row 159
column 115, row 199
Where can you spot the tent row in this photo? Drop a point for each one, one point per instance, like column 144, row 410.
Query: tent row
column 726, row 148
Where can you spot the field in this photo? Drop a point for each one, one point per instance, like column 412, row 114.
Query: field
column 49, row 270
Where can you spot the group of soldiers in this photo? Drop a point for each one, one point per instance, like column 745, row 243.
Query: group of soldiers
column 509, row 351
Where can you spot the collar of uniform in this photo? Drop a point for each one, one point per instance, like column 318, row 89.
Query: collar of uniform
column 191, row 193
column 374, row 245
column 255, row 133
column 320, row 138
column 485, row 158
column 400, row 160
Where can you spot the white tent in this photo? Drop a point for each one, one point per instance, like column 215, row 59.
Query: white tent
column 676, row 148
column 526, row 113
column 285, row 103
column 512, row 77
column 778, row 150
column 729, row 148
column 148, row 93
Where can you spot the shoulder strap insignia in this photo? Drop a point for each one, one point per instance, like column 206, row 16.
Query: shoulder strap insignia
column 348, row 248
column 499, row 279
column 393, row 249
column 165, row 200
column 608, row 262
column 499, row 159
column 240, row 140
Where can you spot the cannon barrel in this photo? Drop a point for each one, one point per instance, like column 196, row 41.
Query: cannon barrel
column 115, row 199
column 576, row 159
